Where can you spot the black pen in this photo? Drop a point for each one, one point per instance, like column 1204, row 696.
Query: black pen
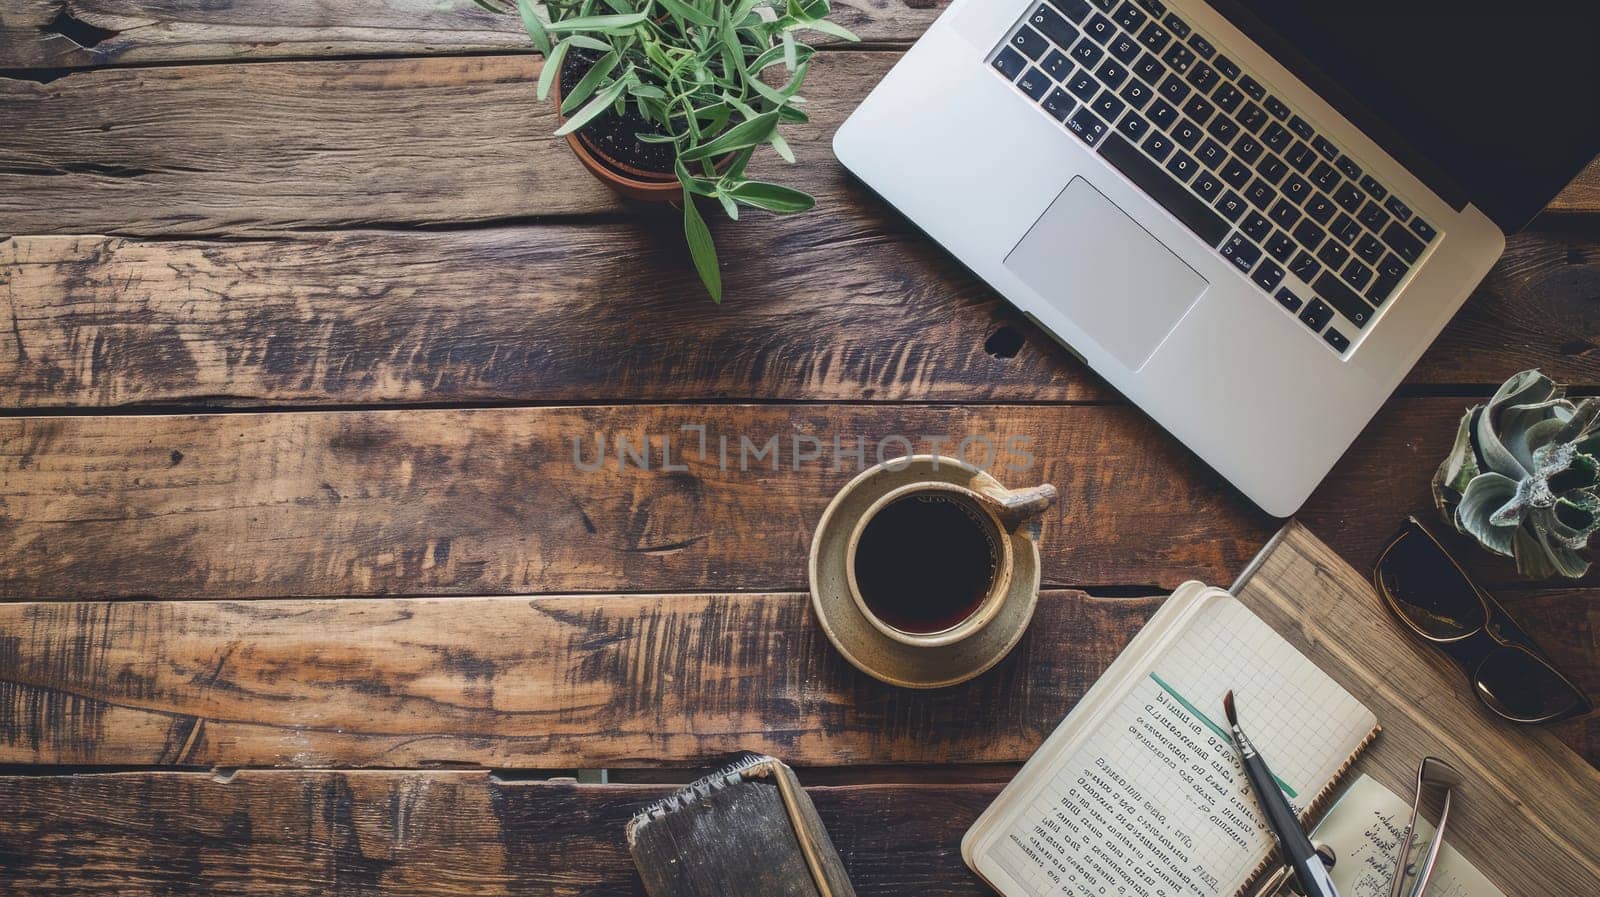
column 1298, row 854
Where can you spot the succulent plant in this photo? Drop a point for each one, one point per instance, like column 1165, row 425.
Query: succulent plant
column 1522, row 476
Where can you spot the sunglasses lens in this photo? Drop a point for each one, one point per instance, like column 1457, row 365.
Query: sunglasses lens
column 1427, row 589
column 1520, row 686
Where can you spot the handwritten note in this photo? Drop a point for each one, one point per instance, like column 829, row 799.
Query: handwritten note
column 1365, row 827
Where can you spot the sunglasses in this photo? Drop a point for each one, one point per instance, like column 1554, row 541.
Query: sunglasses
column 1430, row 593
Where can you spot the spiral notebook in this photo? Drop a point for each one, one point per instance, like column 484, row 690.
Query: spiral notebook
column 1139, row 791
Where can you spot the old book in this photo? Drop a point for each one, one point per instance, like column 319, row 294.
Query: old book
column 747, row 831
column 1139, row 790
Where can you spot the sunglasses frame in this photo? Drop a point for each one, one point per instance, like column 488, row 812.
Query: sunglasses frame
column 1471, row 650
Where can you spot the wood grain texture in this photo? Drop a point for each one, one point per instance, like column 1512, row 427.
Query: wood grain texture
column 492, row 501
column 1528, row 806
column 543, row 683
column 842, row 307
column 253, row 149
column 403, row 833
column 80, row 33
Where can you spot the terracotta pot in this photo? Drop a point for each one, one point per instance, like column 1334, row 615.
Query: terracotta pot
column 628, row 180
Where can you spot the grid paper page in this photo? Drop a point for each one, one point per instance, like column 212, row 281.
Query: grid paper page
column 1154, row 803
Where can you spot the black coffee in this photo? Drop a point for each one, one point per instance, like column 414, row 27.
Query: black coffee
column 925, row 562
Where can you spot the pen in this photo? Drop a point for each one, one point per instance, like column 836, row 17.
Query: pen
column 1298, row 853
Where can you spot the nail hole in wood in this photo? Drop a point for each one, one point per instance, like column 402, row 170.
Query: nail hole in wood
column 1004, row 342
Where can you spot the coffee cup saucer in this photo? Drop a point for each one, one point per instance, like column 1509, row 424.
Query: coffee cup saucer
column 864, row 645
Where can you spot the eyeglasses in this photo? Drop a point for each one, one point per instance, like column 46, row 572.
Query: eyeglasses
column 1425, row 587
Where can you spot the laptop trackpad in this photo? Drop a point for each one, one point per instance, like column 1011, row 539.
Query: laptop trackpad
column 1114, row 280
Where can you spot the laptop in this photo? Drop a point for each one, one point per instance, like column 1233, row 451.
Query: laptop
column 1250, row 216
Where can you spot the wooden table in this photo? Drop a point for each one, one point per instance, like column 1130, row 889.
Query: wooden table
column 304, row 592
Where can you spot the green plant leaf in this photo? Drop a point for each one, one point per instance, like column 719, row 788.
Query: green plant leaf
column 691, row 183
column 552, row 65
column 589, row 43
column 728, row 205
column 603, row 24
column 688, row 12
column 791, row 56
column 599, row 104
column 747, row 133
column 701, row 249
column 781, row 146
column 535, row 28
column 808, row 9
column 772, row 197
column 831, row 29
column 586, row 85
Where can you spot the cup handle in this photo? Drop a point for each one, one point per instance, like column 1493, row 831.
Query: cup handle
column 1015, row 508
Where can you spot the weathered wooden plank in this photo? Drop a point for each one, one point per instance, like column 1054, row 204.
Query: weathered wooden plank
column 493, row 501
column 76, row 33
column 833, row 308
column 250, row 149
column 543, row 683
column 319, row 833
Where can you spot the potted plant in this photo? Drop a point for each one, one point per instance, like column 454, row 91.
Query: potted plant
column 669, row 99
column 1523, row 478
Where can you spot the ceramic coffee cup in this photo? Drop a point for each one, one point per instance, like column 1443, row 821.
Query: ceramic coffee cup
column 925, row 570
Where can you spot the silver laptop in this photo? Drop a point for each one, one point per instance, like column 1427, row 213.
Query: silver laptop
column 1250, row 217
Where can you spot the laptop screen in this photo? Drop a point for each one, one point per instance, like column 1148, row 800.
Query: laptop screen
column 1499, row 99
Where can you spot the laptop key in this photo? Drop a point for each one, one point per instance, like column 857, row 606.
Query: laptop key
column 1083, row 85
column 1212, row 154
column 1154, row 7
column 1398, row 209
column 1133, row 126
column 1059, row 104
column 1336, row 339
column 1105, row 5
column 1156, row 38
column 1277, row 108
column 1301, row 127
column 1276, row 137
column 1149, row 68
column 1201, row 46
column 1087, row 52
column 1207, row 185
column 1076, row 10
column 1057, row 65
column 1179, row 28
column 1124, row 48
column 1231, row 205
column 1402, row 242
column 1325, row 146
column 1280, row 246
column 1272, row 168
column 1182, row 166
column 1107, row 106
column 1086, row 125
column 1304, row 266
column 1320, row 208
column 1050, row 23
column 1374, row 189
column 1300, row 156
column 1423, row 230
column 1297, row 188
column 1310, row 236
column 1198, row 109
column 1247, row 148
column 1341, row 297
column 1390, row 272
column 1111, row 73
column 1348, row 167
column 1288, row 299
column 1267, row 275
column 1158, row 146
column 1348, row 197
column 1241, row 252
column 1034, row 84
column 1226, row 67
column 1173, row 88
column 1029, row 42
column 1345, row 228
column 1369, row 250
column 1374, row 217
column 1160, row 186
column 1180, row 58
column 1222, row 128
column 1324, row 176
column 1256, row 227
column 1187, row 133
column 1250, row 117
column 1202, row 77
column 1161, row 113
column 1333, row 254
column 1130, row 16
column 1100, row 28
column 1136, row 93
column 1284, row 212
column 1317, row 315
column 1010, row 63
column 1252, row 87
column 1356, row 274
column 1227, row 97
column 1260, row 194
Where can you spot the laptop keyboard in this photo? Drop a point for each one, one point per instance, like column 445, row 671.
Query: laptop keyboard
column 1208, row 142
